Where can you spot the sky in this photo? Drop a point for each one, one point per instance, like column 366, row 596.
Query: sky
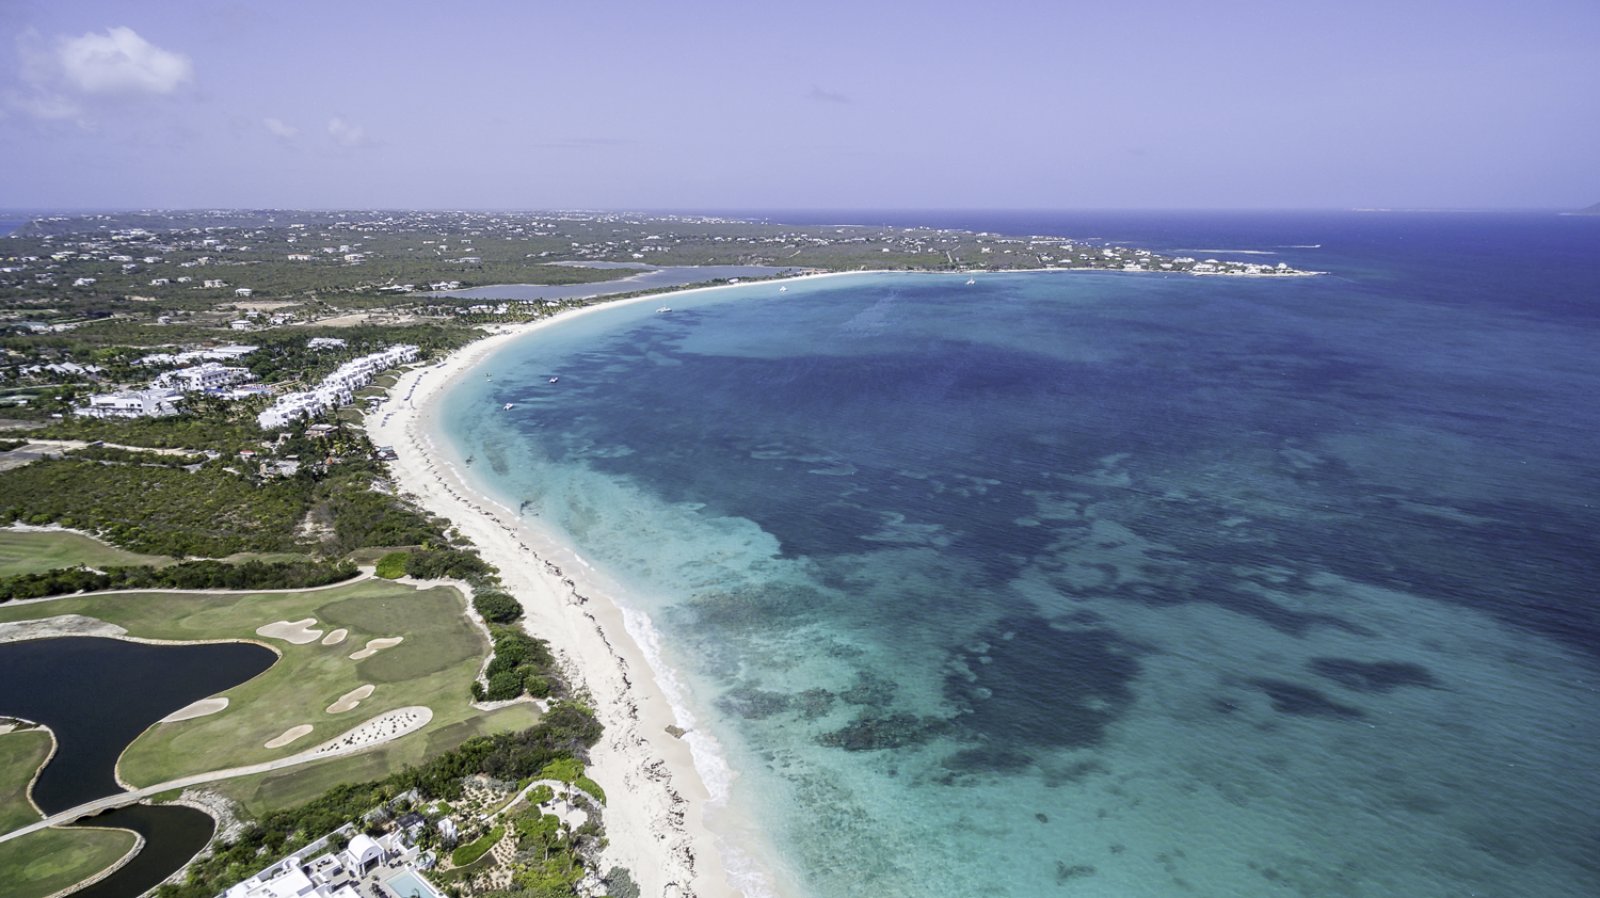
column 869, row 104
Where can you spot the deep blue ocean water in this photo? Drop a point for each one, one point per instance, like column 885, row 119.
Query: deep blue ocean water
column 1108, row 584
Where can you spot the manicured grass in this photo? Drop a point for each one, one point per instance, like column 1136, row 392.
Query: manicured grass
column 21, row 753
column 285, row 788
column 32, row 551
column 466, row 854
column 433, row 666
column 47, row 861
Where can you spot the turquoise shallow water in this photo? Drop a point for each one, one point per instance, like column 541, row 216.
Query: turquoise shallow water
column 1109, row 585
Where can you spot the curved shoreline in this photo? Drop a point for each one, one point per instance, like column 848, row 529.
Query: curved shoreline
column 659, row 834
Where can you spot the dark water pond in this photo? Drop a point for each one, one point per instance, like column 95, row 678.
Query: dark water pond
column 98, row 695
column 172, row 833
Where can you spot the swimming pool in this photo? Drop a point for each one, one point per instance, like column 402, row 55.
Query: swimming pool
column 409, row 885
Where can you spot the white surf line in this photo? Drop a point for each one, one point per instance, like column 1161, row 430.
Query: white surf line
column 385, row 727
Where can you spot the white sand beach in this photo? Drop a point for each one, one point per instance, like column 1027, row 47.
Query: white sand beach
column 654, row 819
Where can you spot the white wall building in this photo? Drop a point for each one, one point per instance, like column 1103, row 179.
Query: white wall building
column 199, row 378
column 337, row 388
column 153, row 403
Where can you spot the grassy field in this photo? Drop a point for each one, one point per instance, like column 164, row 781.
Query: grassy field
column 43, row 863
column 31, row 551
column 21, row 753
column 433, row 666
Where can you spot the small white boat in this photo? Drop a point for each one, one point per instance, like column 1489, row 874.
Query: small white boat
column 509, row 406
column 663, row 310
column 554, row 379
column 971, row 281
column 783, row 289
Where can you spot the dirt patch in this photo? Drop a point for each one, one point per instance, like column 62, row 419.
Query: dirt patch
column 60, row 625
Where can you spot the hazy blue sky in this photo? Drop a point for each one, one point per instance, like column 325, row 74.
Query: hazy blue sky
column 1136, row 103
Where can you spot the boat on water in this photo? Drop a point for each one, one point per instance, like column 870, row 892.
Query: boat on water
column 554, row 379
column 783, row 289
column 663, row 310
column 971, row 281
column 508, row 406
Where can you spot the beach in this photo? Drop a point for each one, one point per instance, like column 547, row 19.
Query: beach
column 655, row 820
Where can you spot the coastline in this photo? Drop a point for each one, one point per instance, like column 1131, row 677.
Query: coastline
column 660, row 834
column 659, row 831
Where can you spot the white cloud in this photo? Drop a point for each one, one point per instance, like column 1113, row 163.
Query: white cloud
column 63, row 78
column 281, row 129
column 346, row 134
column 121, row 62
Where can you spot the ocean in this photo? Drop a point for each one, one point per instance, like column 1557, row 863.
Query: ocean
column 1101, row 584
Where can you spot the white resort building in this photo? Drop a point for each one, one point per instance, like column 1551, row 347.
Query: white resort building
column 337, row 388
column 152, row 403
column 202, row 378
column 384, row 867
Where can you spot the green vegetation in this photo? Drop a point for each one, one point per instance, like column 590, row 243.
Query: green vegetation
column 471, row 851
column 44, row 862
column 21, row 754
column 187, row 431
column 33, row 551
column 521, row 664
column 393, row 565
column 547, row 863
column 497, row 607
column 210, row 512
column 447, row 563
column 567, row 731
column 183, row 575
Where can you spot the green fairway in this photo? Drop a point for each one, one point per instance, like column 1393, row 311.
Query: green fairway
column 434, row 665
column 31, row 551
column 43, row 863
column 284, row 788
column 21, row 753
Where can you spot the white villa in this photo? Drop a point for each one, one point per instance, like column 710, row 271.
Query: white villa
column 202, row 378
column 337, row 388
column 153, row 403
column 354, row 872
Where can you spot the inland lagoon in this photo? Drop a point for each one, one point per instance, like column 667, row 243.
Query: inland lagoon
column 96, row 696
column 1106, row 584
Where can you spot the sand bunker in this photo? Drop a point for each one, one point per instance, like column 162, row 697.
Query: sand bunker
column 289, row 736
column 350, row 699
column 386, row 726
column 192, row 710
column 298, row 632
column 376, row 645
column 336, row 637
